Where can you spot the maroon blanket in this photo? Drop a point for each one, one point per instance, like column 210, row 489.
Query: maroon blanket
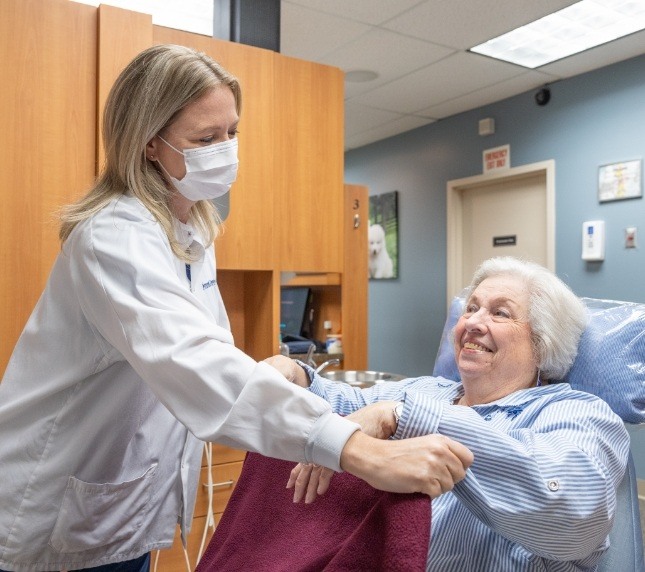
column 353, row 527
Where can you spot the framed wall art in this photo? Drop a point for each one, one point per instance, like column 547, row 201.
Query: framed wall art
column 619, row 181
column 383, row 237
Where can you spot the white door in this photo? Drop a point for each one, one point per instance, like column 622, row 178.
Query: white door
column 507, row 213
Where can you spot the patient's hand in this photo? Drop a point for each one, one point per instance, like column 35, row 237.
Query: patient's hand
column 377, row 419
column 290, row 369
column 309, row 481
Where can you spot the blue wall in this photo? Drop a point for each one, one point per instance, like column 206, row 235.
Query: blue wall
column 591, row 120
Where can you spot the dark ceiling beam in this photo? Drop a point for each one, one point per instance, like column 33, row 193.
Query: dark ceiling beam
column 251, row 22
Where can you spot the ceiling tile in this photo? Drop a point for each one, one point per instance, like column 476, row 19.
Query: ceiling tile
column 310, row 35
column 368, row 11
column 359, row 118
column 466, row 23
column 401, row 125
column 387, row 53
column 453, row 77
column 502, row 90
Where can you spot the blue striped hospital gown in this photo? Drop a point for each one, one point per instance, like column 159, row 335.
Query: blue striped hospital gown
column 540, row 494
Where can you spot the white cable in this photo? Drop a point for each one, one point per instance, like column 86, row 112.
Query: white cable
column 187, row 560
column 210, row 515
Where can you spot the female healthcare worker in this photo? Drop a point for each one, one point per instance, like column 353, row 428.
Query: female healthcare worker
column 127, row 360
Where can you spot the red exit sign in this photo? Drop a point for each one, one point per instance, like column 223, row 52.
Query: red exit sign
column 497, row 158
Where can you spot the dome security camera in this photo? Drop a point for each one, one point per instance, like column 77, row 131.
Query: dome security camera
column 543, row 96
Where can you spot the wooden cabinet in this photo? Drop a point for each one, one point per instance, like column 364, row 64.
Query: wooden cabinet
column 48, row 114
column 341, row 298
column 309, row 167
column 248, row 238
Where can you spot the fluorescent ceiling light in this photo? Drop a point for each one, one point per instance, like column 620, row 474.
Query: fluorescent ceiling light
column 569, row 31
column 190, row 15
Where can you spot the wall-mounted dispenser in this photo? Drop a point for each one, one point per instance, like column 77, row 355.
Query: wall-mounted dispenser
column 593, row 240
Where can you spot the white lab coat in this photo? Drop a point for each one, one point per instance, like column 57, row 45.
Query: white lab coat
column 94, row 465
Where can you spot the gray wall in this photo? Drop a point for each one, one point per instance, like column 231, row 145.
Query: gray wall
column 591, row 120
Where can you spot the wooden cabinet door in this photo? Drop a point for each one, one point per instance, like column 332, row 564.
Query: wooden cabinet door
column 355, row 279
column 309, row 165
column 48, row 115
column 247, row 242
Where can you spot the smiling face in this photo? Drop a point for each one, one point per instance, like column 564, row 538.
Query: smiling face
column 493, row 345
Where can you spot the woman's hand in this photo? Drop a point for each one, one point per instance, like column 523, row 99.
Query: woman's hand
column 431, row 464
column 376, row 420
column 290, row 369
column 309, row 481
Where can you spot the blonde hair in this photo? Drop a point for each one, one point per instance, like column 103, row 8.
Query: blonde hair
column 146, row 98
column 557, row 317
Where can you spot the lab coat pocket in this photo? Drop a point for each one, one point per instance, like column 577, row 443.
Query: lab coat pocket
column 94, row 515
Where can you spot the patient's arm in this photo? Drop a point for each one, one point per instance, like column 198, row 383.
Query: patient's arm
column 376, row 420
column 290, row 369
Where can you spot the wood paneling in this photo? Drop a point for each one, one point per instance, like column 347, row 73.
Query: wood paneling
column 309, row 165
column 48, row 114
column 122, row 35
column 253, row 309
column 247, row 240
column 355, row 272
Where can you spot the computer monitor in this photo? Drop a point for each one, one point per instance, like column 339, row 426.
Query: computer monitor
column 295, row 303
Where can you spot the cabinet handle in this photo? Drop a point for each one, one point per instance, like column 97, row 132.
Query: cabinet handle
column 219, row 485
column 357, row 220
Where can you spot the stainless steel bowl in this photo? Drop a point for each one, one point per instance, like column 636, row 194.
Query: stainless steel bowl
column 361, row 378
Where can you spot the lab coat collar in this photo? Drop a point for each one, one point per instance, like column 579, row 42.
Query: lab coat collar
column 188, row 237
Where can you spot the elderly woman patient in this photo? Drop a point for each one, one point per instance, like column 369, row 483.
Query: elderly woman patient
column 540, row 494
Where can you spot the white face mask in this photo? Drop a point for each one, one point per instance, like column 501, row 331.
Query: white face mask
column 210, row 171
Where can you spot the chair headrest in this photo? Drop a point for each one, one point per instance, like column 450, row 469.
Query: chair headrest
column 610, row 361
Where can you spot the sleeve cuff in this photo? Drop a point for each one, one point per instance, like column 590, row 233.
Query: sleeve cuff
column 420, row 416
column 327, row 440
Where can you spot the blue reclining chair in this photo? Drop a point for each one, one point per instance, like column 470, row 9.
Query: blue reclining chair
column 611, row 365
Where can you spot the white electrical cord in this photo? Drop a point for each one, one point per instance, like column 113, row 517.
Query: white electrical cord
column 186, row 560
column 210, row 515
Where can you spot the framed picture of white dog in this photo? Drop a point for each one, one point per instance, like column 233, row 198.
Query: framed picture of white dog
column 383, row 236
